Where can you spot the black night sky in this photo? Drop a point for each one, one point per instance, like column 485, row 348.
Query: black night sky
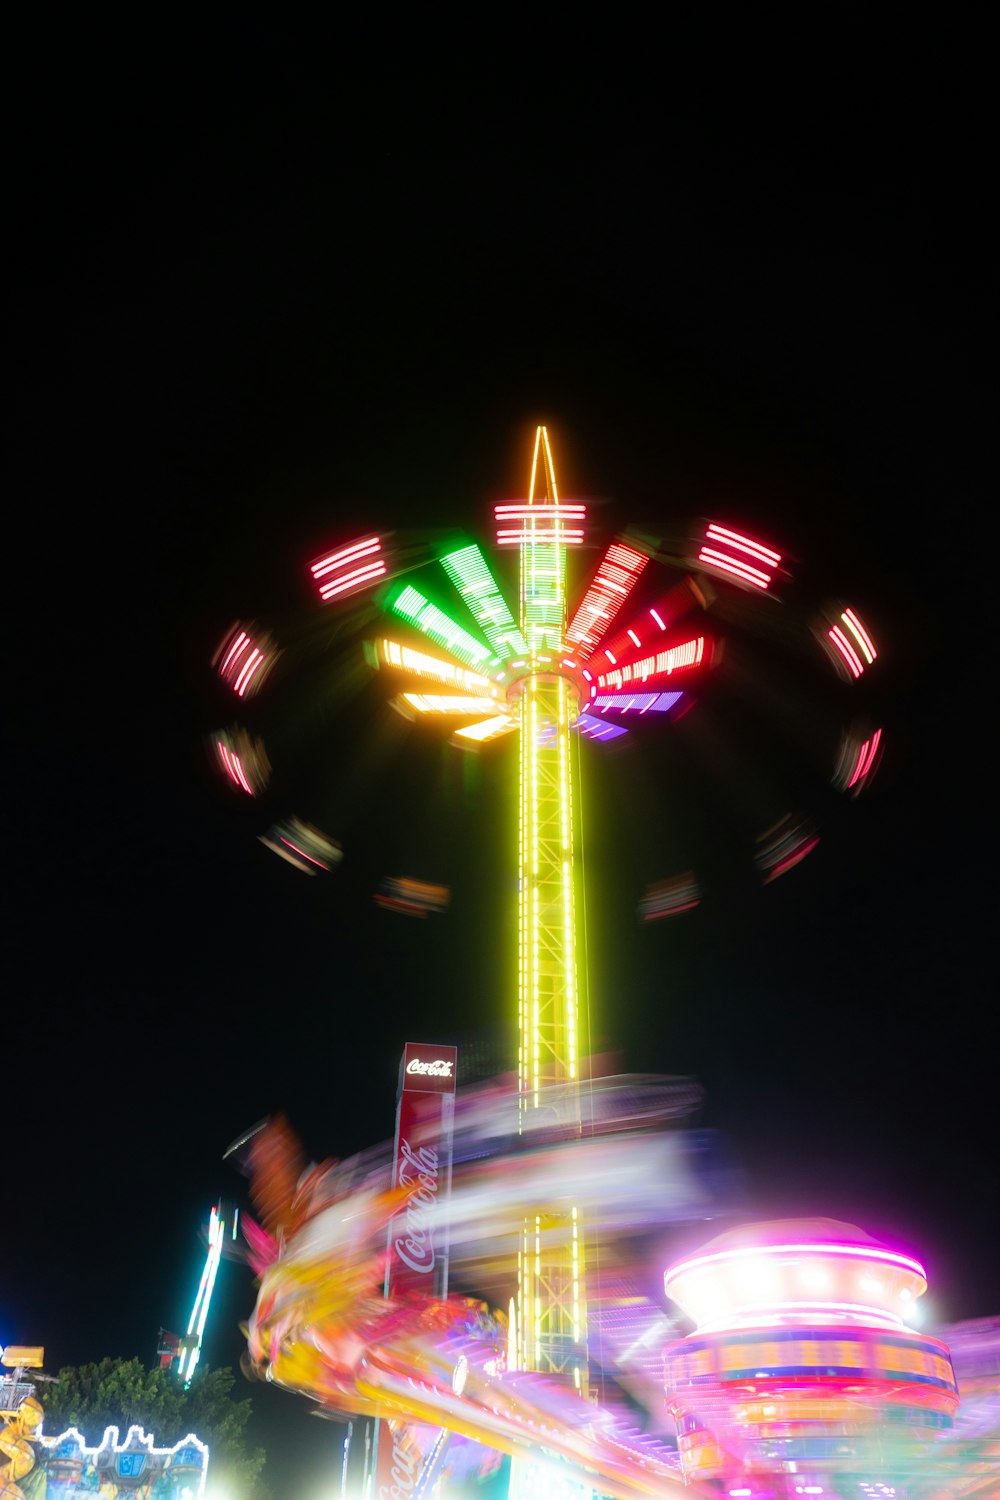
column 270, row 289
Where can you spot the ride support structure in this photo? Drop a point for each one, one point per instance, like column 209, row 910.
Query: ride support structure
column 551, row 1312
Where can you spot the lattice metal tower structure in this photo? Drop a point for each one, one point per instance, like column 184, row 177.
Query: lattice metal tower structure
column 551, row 1312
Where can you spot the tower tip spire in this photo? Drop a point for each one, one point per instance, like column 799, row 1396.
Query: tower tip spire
column 543, row 448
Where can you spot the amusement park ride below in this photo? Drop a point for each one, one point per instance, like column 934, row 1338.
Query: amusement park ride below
column 63, row 1467
column 789, row 1390
column 800, row 1376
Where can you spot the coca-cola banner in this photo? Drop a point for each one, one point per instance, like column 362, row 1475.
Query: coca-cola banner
column 429, row 1070
column 418, row 1257
column 418, row 1251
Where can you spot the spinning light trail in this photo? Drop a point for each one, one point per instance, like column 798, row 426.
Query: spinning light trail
column 182, row 1353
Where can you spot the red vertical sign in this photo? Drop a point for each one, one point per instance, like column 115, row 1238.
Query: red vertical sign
column 418, row 1250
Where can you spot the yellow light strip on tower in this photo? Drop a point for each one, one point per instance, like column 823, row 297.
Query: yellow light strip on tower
column 533, row 753
column 566, row 834
column 551, row 1293
column 550, row 473
column 437, row 668
column 441, row 703
column 487, row 729
column 522, row 929
column 534, row 466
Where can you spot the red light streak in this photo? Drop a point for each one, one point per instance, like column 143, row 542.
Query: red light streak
column 667, row 611
column 860, row 634
column 366, row 574
column 225, row 759
column 866, row 757
column 238, row 647
column 543, row 511
column 242, row 775
column 876, row 737
column 241, row 660
column 662, row 664
column 616, row 576
column 738, row 567
column 846, row 650
column 791, row 860
column 743, row 544
column 859, row 762
column 232, row 763
column 654, row 916
column 303, row 853
column 514, row 538
column 242, row 682
column 348, row 567
column 349, row 554
column 731, row 565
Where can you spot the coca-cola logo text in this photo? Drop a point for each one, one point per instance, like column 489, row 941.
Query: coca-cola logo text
column 440, row 1068
column 418, row 1171
column 403, row 1471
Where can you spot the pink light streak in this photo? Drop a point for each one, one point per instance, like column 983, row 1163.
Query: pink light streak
column 738, row 569
column 866, row 756
column 860, row 634
column 667, row 611
column 251, row 665
column 846, row 650
column 743, row 544
column 616, row 576
column 367, row 574
column 855, row 1252
column 348, row 567
column 542, row 511
column 242, row 775
column 662, row 664
column 235, row 651
column 303, row 853
column 514, row 538
column 349, row 554
column 791, row 860
column 234, row 767
column 654, row 916
column 242, row 661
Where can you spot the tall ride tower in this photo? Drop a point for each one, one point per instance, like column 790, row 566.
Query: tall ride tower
column 551, row 1310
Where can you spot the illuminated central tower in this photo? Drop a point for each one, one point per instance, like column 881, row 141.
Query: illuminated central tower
column 550, row 1325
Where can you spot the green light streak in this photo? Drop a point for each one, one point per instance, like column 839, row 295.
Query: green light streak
column 543, row 592
column 413, row 606
column 469, row 572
